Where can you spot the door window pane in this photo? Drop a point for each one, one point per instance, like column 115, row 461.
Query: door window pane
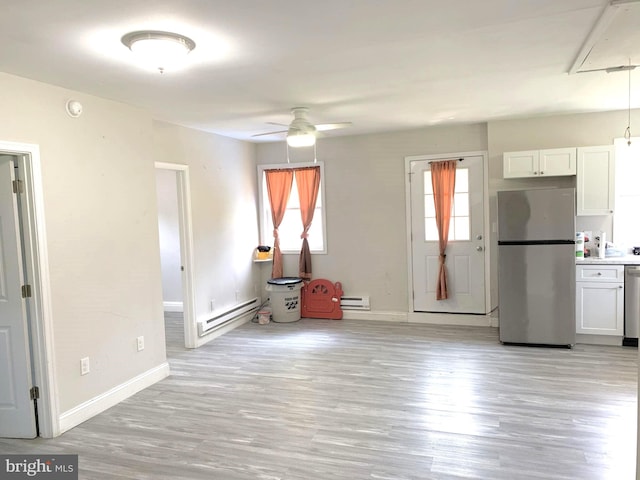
column 459, row 228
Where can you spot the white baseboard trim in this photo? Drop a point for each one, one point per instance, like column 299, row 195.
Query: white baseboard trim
column 172, row 306
column 488, row 320
column 457, row 319
column 90, row 408
column 379, row 316
column 224, row 328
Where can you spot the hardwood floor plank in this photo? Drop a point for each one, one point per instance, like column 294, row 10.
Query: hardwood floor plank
column 352, row 400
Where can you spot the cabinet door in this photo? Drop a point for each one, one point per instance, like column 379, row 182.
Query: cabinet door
column 521, row 164
column 600, row 308
column 595, row 180
column 557, row 162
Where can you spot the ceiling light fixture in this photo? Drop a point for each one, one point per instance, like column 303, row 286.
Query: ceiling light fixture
column 300, row 138
column 159, row 50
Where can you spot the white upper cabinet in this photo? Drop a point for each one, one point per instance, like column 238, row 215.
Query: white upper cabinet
column 558, row 162
column 596, row 180
column 553, row 162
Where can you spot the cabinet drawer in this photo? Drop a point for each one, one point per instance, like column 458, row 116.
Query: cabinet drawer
column 600, row 273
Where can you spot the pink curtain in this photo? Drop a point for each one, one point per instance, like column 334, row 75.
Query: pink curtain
column 278, row 187
column 443, row 181
column 308, row 183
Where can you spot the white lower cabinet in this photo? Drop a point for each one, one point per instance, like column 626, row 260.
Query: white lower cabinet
column 600, row 300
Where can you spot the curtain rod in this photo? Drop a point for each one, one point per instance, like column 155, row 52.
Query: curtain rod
column 437, row 161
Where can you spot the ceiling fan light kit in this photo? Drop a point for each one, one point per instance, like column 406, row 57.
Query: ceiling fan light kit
column 297, row 139
column 159, row 50
column 301, row 132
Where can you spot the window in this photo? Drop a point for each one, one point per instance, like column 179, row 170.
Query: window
column 291, row 226
column 459, row 228
column 626, row 228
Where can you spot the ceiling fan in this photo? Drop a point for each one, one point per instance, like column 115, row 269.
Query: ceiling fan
column 301, row 132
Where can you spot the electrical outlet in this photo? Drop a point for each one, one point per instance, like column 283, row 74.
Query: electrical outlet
column 84, row 366
column 140, row 341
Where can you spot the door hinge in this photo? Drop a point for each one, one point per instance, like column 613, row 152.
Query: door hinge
column 26, row 291
column 18, row 186
column 34, row 393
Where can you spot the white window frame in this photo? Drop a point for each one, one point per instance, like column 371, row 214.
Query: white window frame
column 266, row 237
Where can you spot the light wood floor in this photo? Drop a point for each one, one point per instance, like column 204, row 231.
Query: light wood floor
column 324, row 400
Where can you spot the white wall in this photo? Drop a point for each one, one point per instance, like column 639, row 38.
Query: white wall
column 167, row 196
column 365, row 206
column 99, row 188
column 100, row 207
column 224, row 212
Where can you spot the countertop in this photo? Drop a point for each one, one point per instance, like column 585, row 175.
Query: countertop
column 626, row 260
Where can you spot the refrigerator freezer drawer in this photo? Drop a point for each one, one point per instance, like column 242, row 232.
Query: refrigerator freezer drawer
column 537, row 294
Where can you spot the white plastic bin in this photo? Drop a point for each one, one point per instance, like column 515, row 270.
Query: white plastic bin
column 285, row 298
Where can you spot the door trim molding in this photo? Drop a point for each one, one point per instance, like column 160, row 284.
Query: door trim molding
column 37, row 260
column 185, row 226
column 485, row 194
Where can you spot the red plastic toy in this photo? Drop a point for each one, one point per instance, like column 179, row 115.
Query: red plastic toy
column 321, row 299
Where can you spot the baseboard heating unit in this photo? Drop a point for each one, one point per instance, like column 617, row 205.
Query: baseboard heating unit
column 228, row 315
column 354, row 302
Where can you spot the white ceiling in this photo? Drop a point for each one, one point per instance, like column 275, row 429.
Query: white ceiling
column 382, row 64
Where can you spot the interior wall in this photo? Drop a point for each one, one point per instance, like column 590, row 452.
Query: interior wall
column 100, row 208
column 224, row 213
column 168, row 228
column 365, row 206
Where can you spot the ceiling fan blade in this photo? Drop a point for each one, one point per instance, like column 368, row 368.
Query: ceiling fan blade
column 276, row 123
column 269, row 133
column 323, row 127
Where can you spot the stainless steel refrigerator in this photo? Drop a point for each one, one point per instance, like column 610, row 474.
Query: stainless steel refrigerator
column 536, row 266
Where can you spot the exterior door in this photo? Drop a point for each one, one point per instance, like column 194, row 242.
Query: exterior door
column 465, row 259
column 17, row 415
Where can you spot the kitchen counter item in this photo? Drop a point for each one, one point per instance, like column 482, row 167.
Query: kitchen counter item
column 579, row 244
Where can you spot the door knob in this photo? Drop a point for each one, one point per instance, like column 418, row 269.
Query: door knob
column 479, row 248
column 479, row 237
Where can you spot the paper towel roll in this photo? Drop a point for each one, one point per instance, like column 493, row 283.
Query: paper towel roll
column 579, row 244
column 601, row 244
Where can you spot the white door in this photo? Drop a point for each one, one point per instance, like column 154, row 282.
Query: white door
column 17, row 415
column 465, row 261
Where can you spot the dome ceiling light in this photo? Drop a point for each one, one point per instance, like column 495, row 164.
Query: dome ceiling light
column 159, row 50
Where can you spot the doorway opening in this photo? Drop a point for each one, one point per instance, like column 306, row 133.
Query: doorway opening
column 176, row 247
column 27, row 371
